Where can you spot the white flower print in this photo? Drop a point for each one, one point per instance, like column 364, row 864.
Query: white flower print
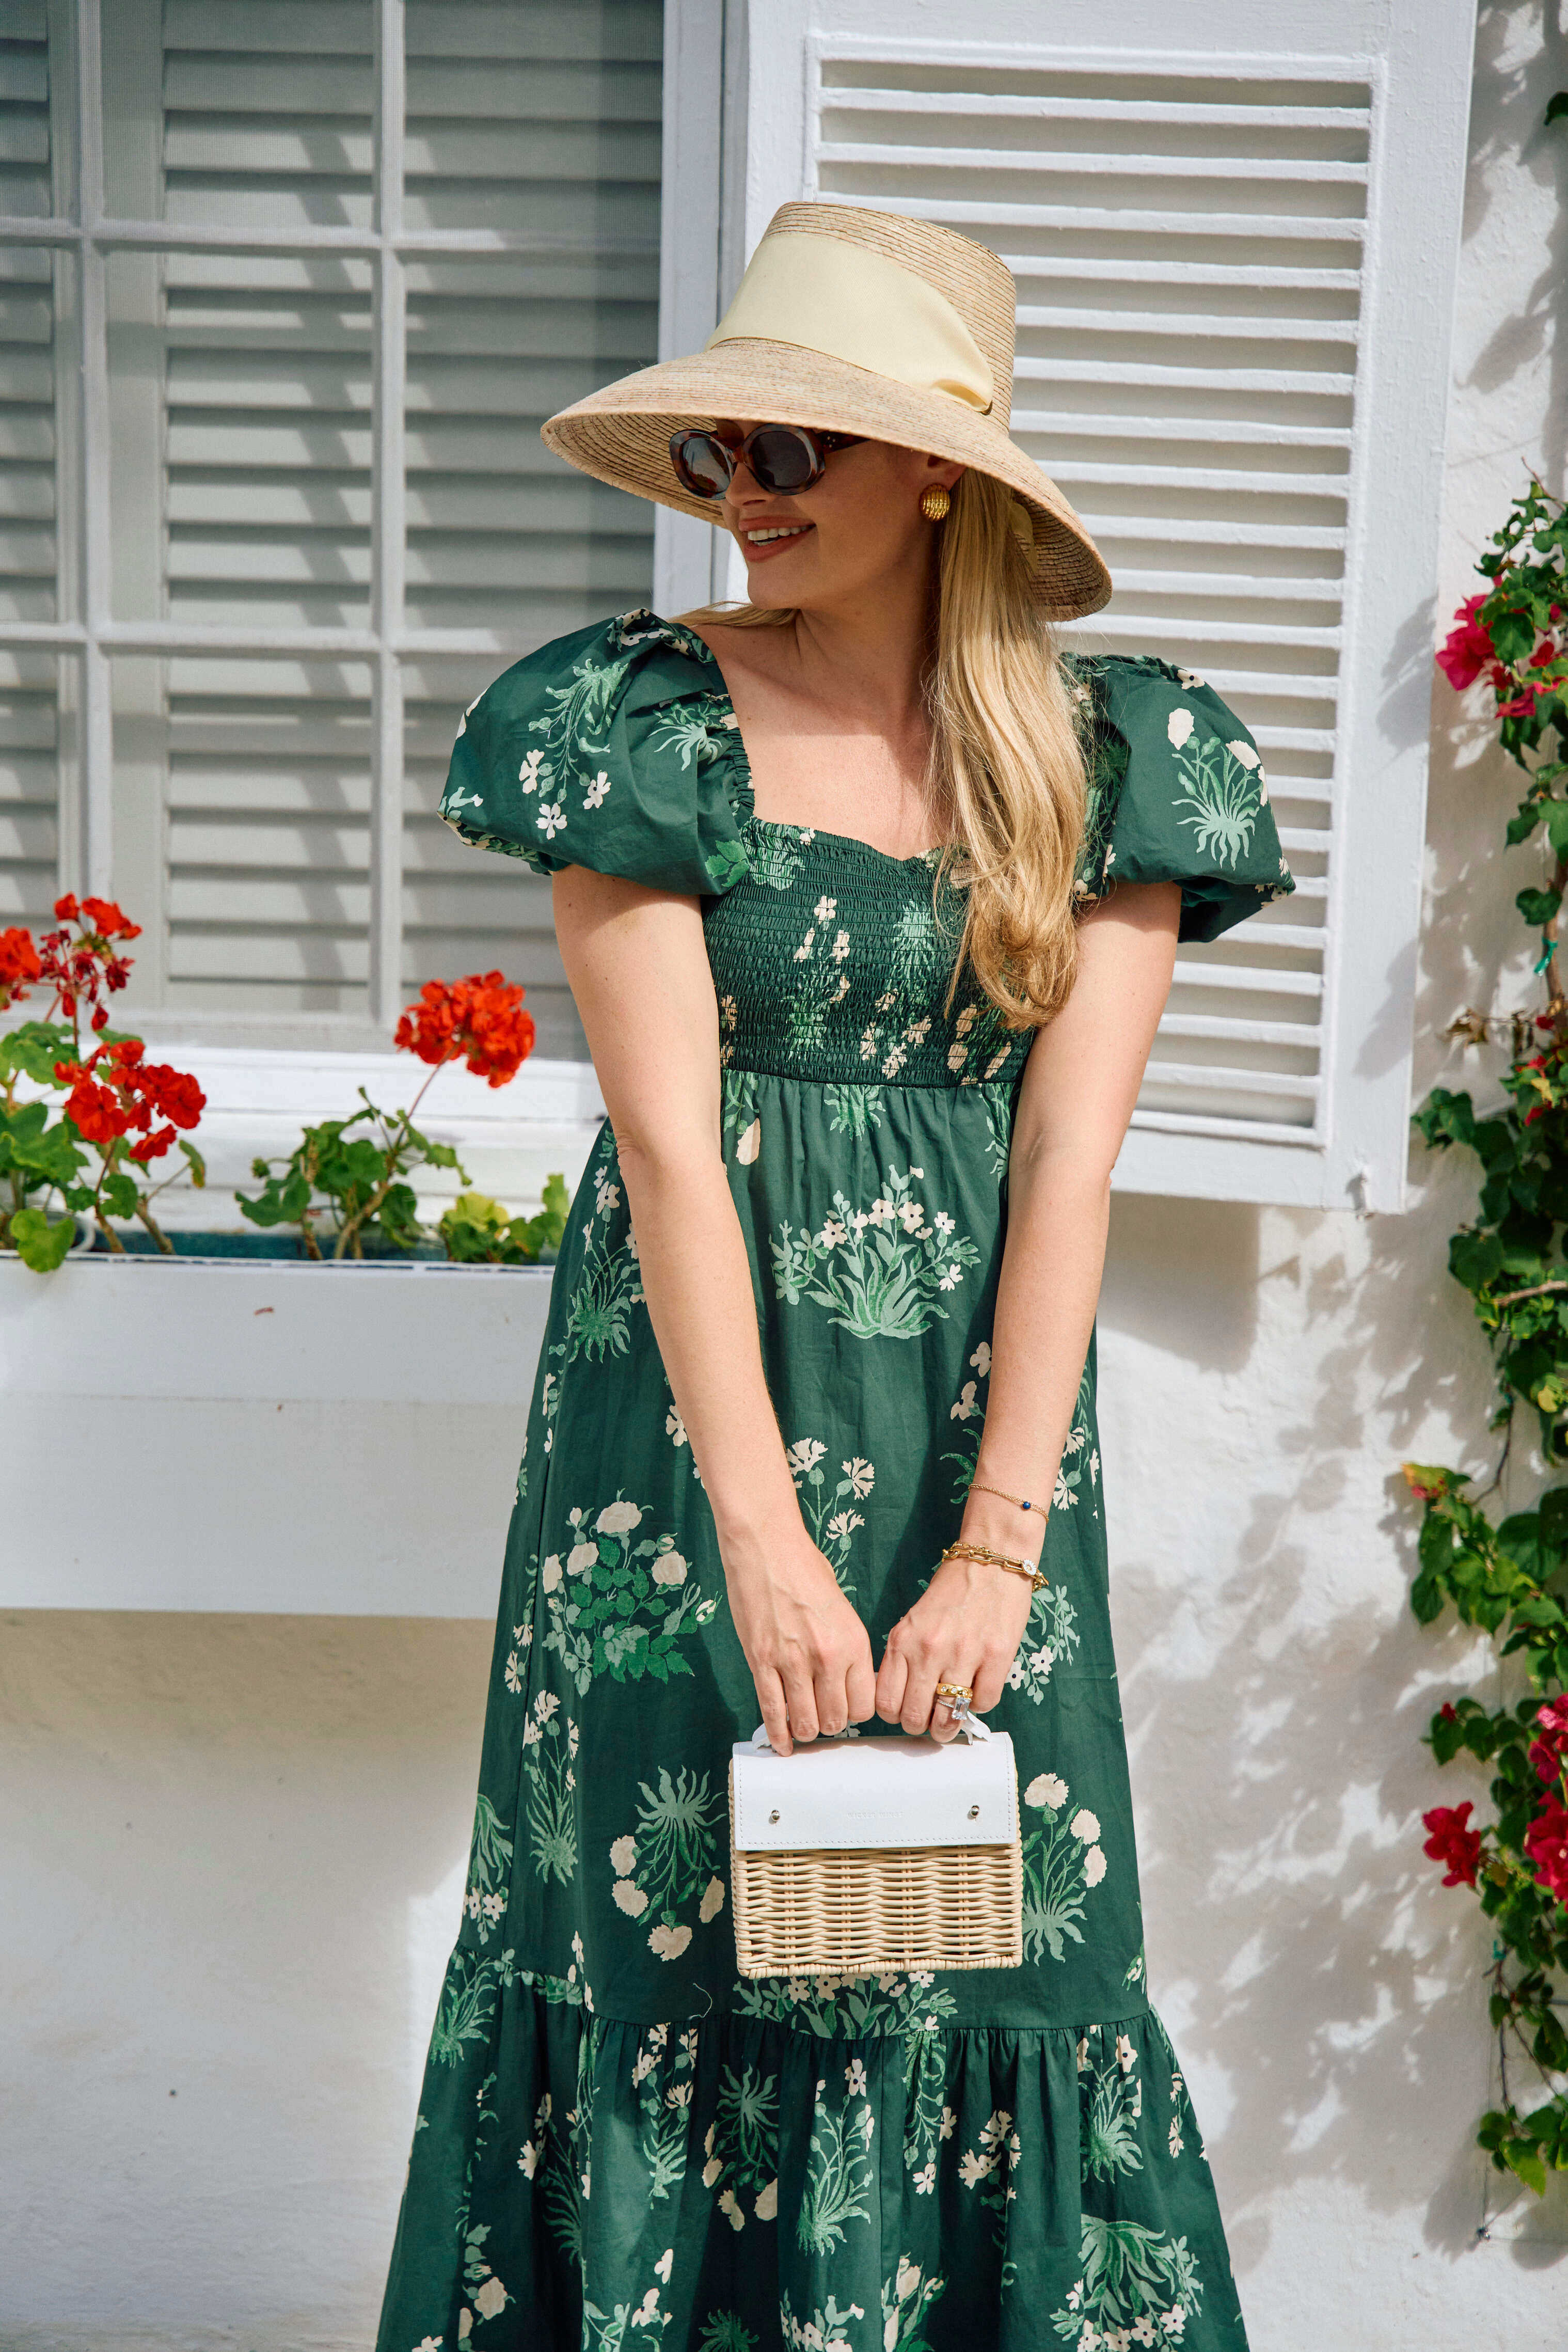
column 607, row 1196
column 1094, row 1865
column 633, row 1900
column 528, row 773
column 951, row 1278
column 1086, row 1825
column 669, row 1568
column 767, row 2206
column 623, row 1854
column 750, row 1144
column 1179, row 726
column 1244, row 752
column 1063, row 1497
column 550, row 1573
column 675, row 1428
column 665, row 2265
column 841, row 946
column 968, row 1402
column 1175, row 2143
column 619, row 1518
column 669, row 1943
column 597, row 791
column 581, row 1559
column 730, row 2208
column 805, row 1454
column 647, row 2310
column 832, row 1234
column 804, row 950
column 861, row 1475
column 854, row 2078
column 913, row 1216
column 1126, row 2056
column 491, row 2298
column 1045, row 1789
column 981, row 1359
column 551, row 819
column 1190, row 678
column 712, row 1903
column 926, row 2179
column 842, row 1525
column 895, row 1062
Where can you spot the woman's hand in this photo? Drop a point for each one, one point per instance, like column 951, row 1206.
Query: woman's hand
column 966, row 1627
column 808, row 1652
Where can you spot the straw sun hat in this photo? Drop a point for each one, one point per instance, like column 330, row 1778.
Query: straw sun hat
column 854, row 321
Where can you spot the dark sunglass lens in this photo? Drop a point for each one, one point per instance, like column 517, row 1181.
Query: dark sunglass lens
column 703, row 464
column 783, row 460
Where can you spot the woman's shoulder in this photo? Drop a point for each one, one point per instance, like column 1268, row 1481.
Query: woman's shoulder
column 597, row 665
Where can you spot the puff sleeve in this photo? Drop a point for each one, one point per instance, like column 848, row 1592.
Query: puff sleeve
column 1177, row 794
column 616, row 748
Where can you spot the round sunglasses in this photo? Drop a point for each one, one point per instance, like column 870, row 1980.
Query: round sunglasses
column 784, row 459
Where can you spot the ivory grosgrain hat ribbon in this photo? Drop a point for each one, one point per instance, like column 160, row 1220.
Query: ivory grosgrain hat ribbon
column 854, row 321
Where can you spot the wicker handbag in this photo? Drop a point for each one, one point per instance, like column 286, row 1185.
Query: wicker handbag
column 857, row 1856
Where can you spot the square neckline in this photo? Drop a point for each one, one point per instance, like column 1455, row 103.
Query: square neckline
column 787, row 825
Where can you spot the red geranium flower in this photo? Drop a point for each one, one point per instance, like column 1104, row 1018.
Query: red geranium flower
column 1467, row 649
column 480, row 1020
column 116, row 1092
column 18, row 964
column 1547, row 1752
column 1546, row 1843
column 83, row 966
column 1452, row 1843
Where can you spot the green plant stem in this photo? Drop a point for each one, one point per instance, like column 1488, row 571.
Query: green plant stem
column 397, row 1135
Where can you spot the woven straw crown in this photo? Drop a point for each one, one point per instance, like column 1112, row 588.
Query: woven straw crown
column 620, row 434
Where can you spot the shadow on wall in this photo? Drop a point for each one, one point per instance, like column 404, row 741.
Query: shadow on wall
column 1269, row 1658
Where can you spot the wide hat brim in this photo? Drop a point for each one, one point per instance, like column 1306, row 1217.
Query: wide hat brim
column 621, row 434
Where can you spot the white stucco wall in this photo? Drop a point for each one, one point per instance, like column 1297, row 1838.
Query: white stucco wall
column 232, row 1845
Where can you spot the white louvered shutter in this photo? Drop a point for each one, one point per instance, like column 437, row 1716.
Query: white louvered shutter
column 1234, row 284
column 31, row 732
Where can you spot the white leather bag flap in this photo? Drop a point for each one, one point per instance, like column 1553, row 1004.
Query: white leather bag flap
column 875, row 1793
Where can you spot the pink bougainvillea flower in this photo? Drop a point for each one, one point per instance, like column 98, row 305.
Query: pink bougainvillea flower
column 1451, row 1842
column 1546, row 1843
column 1547, row 1750
column 1467, row 649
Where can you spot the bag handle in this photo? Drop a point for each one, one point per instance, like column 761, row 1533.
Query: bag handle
column 972, row 1727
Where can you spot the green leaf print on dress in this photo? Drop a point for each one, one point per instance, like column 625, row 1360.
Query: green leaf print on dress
column 617, row 1607
column 986, row 2168
column 1225, row 788
column 485, row 1900
column 844, row 2007
column 1061, row 1861
column 833, row 1530
column 1051, row 1634
column 839, row 2170
column 881, row 1270
column 1112, row 2099
column 598, row 1319
column 668, row 1859
column 741, row 2147
column 549, row 1756
column 906, row 2297
column 1135, row 2278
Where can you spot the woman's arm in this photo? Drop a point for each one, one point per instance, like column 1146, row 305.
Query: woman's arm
column 1079, row 1087
column 638, row 972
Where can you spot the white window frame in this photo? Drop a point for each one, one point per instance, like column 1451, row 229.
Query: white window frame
column 85, row 631
column 1355, row 1156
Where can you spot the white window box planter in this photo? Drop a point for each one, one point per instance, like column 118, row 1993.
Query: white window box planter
column 204, row 1435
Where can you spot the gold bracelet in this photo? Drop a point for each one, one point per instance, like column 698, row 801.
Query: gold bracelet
column 1037, row 1577
column 976, row 1487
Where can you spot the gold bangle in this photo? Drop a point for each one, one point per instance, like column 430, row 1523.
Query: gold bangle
column 1037, row 1577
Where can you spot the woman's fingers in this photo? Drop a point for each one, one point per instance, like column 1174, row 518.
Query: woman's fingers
column 800, row 1697
column 890, row 1678
column 860, row 1688
column 774, row 1711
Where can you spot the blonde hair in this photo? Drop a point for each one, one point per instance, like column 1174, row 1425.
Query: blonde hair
column 1007, row 762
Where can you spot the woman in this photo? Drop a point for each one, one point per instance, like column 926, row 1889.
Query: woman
column 833, row 886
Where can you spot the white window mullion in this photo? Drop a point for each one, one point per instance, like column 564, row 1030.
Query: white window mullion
column 95, row 853
column 388, row 512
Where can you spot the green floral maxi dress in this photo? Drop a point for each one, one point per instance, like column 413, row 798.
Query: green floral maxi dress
column 619, row 2144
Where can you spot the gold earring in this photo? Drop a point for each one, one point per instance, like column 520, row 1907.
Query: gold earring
column 935, row 503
